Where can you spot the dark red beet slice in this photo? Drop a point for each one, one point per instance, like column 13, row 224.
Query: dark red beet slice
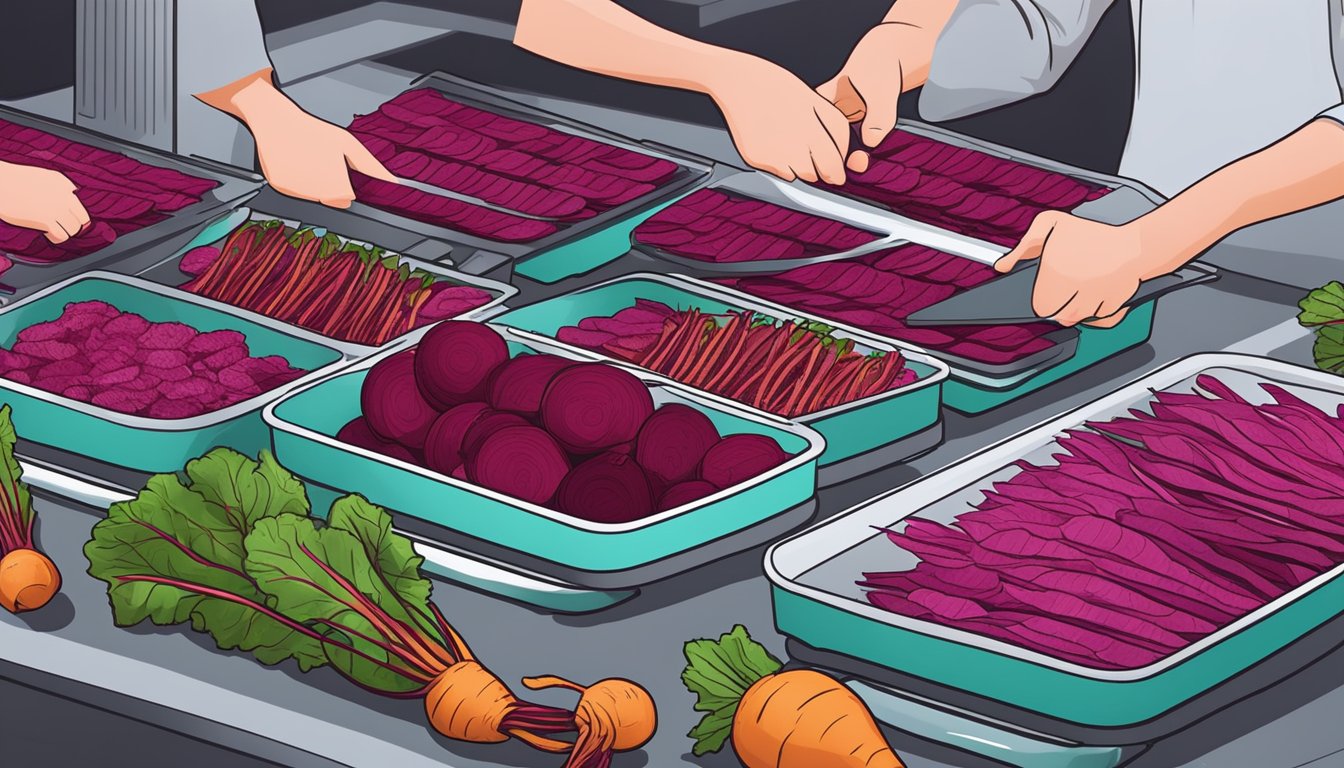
column 393, row 404
column 522, row 462
column 738, row 458
column 685, row 493
column 592, row 406
column 608, row 488
column 517, row 385
column 454, row 361
column 673, row 441
column 358, row 433
column 443, row 445
column 486, row 425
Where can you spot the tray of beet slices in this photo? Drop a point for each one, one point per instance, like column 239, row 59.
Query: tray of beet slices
column 534, row 454
column 1104, row 567
column 340, row 286
column 557, row 180
column 136, row 197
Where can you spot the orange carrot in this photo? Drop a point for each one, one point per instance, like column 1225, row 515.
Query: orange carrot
column 613, row 715
column 795, row 719
column 28, row 578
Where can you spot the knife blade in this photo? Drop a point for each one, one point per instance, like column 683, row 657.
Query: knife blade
column 430, row 189
column 1006, row 300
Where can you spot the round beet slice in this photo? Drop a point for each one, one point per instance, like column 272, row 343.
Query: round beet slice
column 443, row 445
column 522, row 462
column 608, row 488
column 358, row 433
column 737, row 458
column 393, row 404
column 592, row 406
column 517, row 385
column 673, row 441
column 454, row 360
column 685, row 493
column 486, row 425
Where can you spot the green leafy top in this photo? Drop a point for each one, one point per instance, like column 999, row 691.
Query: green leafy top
column 16, row 504
column 1323, row 309
column 230, row 546
column 719, row 672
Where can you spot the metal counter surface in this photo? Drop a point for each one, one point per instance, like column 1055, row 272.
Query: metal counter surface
column 175, row 680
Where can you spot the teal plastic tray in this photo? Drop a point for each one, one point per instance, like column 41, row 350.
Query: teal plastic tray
column 144, row 444
column 897, row 423
column 817, row 602
column 304, row 425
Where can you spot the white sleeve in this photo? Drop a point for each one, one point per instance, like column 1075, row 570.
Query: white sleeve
column 218, row 42
column 996, row 52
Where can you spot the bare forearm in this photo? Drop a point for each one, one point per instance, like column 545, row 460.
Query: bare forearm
column 601, row 36
column 919, row 22
column 1302, row 171
column 251, row 99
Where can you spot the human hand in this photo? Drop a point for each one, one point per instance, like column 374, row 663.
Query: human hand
column 782, row 126
column 311, row 159
column 1088, row 270
column 868, row 88
column 41, row 199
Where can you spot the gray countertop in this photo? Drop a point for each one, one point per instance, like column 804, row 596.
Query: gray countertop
column 175, row 679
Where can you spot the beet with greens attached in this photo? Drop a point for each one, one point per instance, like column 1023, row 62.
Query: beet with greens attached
column 592, row 406
column 454, row 362
column 520, row 461
column 673, row 441
column 608, row 488
column 393, row 404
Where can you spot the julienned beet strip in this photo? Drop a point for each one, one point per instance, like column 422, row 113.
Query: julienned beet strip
column 338, row 289
column 785, row 368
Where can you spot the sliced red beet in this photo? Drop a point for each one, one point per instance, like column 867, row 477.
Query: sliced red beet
column 487, row 424
column 738, row 458
column 454, row 361
column 592, row 406
column 522, row 462
column 673, row 441
column 608, row 488
column 393, row 404
column 443, row 444
column 685, row 493
column 358, row 433
column 517, row 385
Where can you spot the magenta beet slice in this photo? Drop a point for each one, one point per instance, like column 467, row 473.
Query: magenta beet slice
column 359, row 434
column 591, row 406
column 454, row 361
column 684, row 493
column 392, row 402
column 738, row 458
column 518, row 385
column 522, row 462
column 443, row 444
column 673, row 441
column 608, row 488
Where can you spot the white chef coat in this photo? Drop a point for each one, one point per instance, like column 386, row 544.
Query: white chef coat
column 1215, row 80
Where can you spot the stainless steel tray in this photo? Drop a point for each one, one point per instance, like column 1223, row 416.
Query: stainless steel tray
column 233, row 184
column 818, row 603
column 692, row 172
column 166, row 271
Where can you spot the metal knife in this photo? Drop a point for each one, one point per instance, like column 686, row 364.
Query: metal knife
column 1006, row 300
column 430, row 189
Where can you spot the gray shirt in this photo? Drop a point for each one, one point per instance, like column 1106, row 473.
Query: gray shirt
column 218, row 42
column 1215, row 80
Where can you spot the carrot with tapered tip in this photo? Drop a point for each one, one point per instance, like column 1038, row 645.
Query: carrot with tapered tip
column 795, row 719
